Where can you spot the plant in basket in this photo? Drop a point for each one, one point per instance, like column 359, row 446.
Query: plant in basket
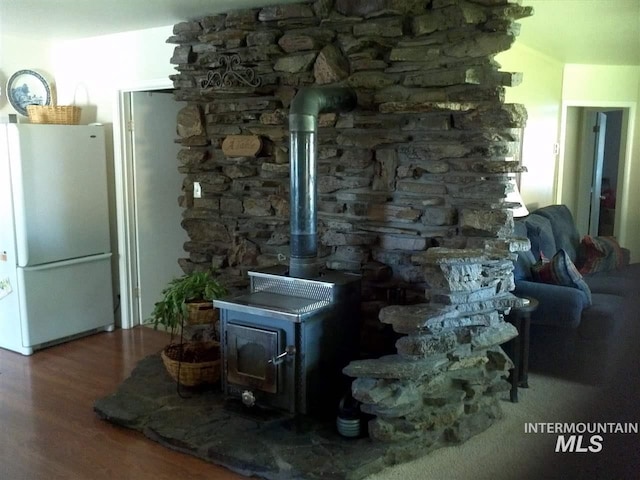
column 187, row 300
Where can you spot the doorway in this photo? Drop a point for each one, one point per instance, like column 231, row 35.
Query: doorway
column 151, row 239
column 593, row 167
column 159, row 238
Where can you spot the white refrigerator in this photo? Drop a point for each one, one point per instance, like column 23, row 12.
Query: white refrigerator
column 55, row 259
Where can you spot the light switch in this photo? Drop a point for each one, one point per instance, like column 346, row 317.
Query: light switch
column 197, row 190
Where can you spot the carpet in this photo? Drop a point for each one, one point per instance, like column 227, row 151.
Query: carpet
column 200, row 423
column 507, row 451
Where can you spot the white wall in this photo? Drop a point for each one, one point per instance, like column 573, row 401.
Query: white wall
column 541, row 93
column 90, row 72
column 572, row 147
column 90, row 69
column 614, row 86
column 94, row 69
column 548, row 89
column 20, row 53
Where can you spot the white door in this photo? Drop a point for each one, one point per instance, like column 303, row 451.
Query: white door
column 590, row 171
column 157, row 183
column 600, row 130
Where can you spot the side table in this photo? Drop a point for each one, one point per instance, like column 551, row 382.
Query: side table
column 520, row 317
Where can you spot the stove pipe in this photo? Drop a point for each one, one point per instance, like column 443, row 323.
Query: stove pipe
column 303, row 126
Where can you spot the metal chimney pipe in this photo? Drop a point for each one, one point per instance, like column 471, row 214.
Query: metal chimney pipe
column 303, row 127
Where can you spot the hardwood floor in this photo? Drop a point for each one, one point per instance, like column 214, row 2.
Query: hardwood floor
column 48, row 429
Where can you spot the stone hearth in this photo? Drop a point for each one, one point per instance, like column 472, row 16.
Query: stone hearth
column 200, row 425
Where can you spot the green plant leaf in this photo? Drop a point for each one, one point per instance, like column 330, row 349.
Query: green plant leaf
column 197, row 286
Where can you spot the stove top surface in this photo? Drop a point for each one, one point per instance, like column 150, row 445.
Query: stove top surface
column 274, row 304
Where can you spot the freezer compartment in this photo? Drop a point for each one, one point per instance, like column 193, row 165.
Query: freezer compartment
column 64, row 299
column 59, row 185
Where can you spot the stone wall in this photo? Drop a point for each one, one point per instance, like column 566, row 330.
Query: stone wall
column 421, row 162
column 412, row 183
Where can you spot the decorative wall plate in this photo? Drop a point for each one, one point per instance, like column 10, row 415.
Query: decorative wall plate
column 26, row 87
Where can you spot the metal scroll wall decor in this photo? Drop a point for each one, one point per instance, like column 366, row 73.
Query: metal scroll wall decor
column 234, row 75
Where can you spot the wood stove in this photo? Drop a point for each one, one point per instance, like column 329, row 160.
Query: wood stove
column 284, row 344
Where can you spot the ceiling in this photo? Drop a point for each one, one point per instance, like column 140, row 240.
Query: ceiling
column 603, row 32
column 69, row 19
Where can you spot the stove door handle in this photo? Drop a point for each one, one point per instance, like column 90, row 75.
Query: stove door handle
column 277, row 360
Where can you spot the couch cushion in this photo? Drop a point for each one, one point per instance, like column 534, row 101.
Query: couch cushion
column 540, row 235
column 564, row 228
column 560, row 270
column 599, row 254
column 604, row 318
column 631, row 271
column 558, row 306
column 603, row 282
column 624, row 282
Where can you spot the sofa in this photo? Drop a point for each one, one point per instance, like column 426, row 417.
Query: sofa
column 588, row 294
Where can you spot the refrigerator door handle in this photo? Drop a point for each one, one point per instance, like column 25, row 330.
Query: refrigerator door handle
column 65, row 263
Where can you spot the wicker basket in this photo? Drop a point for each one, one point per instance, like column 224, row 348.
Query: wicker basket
column 201, row 313
column 191, row 374
column 50, row 114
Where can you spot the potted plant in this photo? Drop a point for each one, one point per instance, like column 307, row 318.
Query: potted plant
column 187, row 300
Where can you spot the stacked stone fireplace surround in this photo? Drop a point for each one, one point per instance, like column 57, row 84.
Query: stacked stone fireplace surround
column 411, row 185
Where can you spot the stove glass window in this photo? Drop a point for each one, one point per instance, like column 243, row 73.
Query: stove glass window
column 249, row 351
column 251, row 358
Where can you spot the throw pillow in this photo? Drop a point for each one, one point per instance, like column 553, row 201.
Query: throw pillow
column 599, row 254
column 560, row 270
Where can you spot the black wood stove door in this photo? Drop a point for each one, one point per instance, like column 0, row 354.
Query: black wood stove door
column 250, row 351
